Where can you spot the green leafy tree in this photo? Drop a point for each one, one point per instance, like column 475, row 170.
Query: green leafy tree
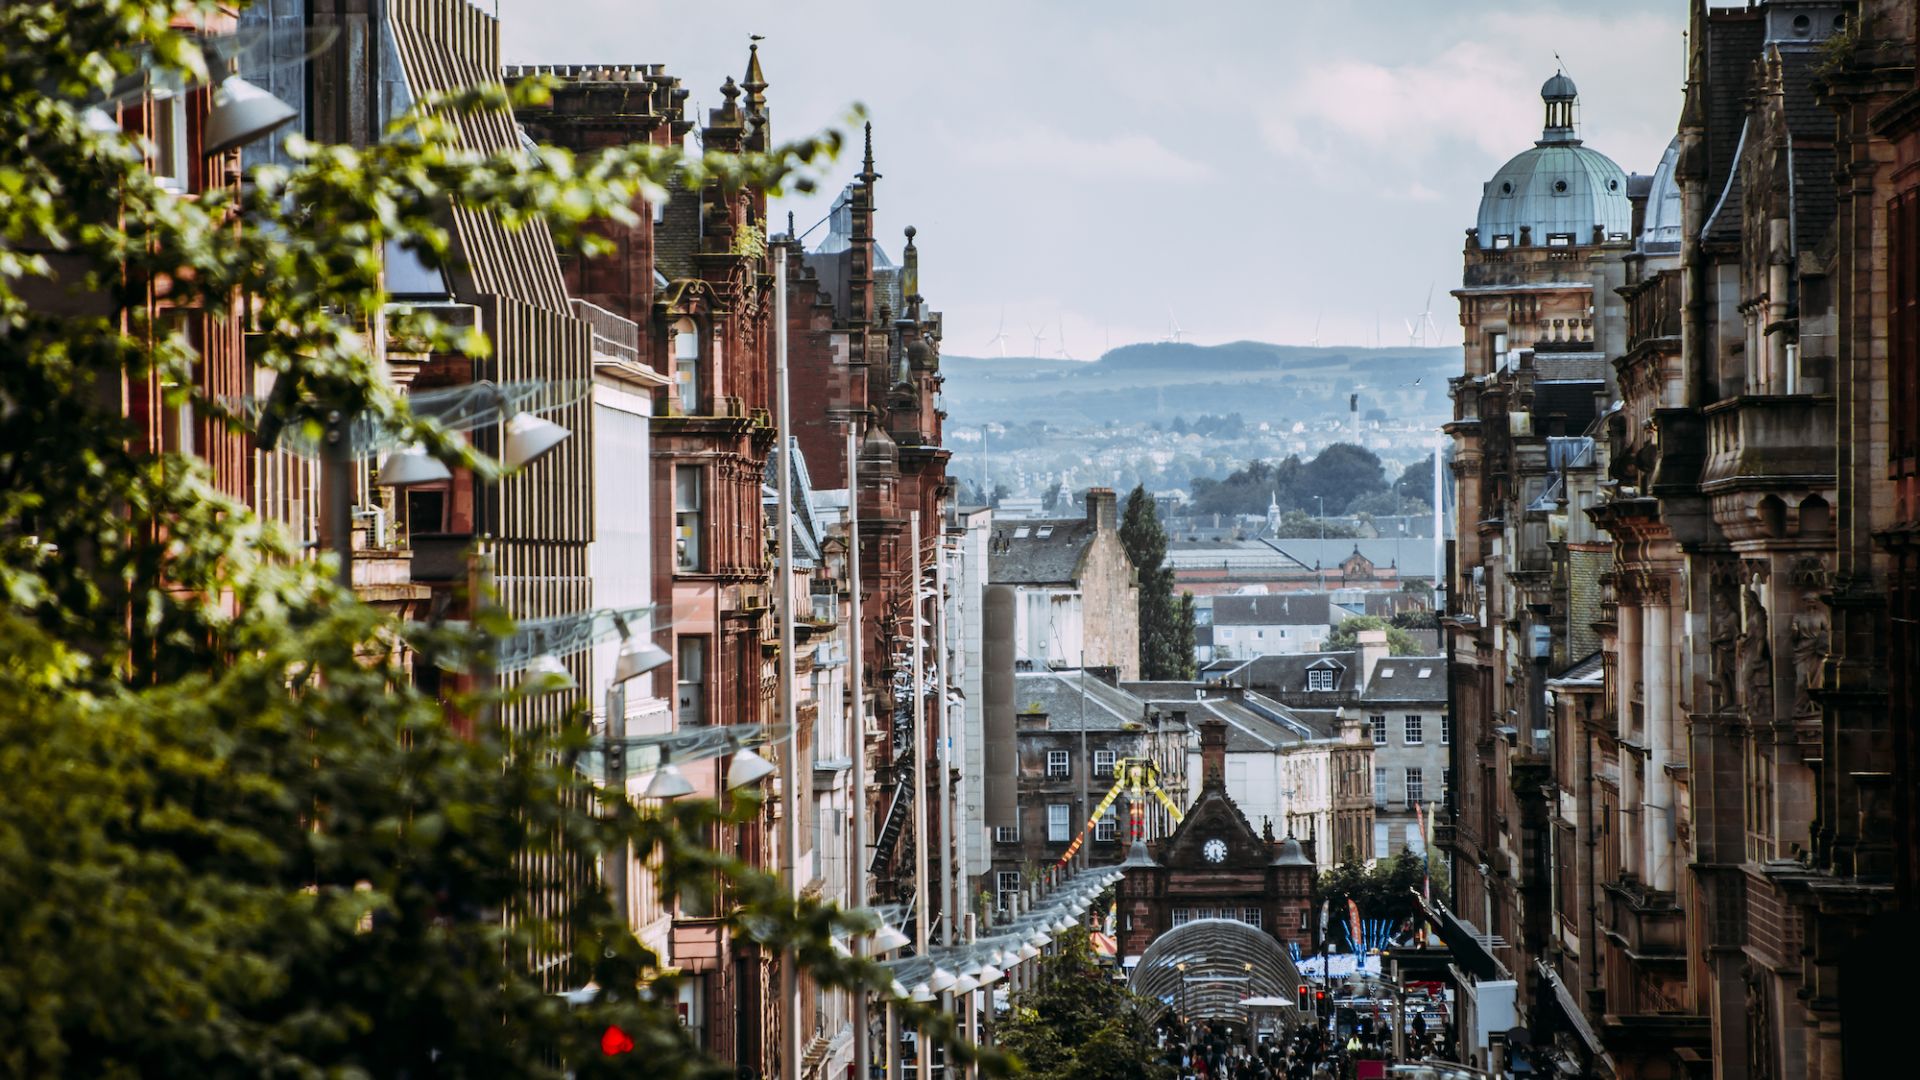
column 1166, row 623
column 1383, row 890
column 1347, row 636
column 1338, row 475
column 1416, row 481
column 1077, row 1023
column 237, row 840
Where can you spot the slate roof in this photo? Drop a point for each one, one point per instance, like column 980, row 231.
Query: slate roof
column 1038, row 552
column 1247, row 730
column 1398, row 678
column 1286, row 673
column 1067, row 696
column 1284, row 609
column 1589, row 670
column 1412, row 555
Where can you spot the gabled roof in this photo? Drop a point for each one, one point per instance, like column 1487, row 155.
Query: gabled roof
column 1073, row 698
column 1247, row 730
column 1420, row 679
column 1038, row 552
column 1284, row 609
column 1284, row 673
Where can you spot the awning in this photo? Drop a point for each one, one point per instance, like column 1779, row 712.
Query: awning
column 1463, row 940
column 1571, row 1014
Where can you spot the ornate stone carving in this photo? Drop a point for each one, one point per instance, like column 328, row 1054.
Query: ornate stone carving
column 1723, row 636
column 1759, row 1026
column 1808, row 631
column 1756, row 655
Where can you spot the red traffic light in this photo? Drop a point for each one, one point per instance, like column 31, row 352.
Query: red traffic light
column 614, row 1042
column 1319, row 995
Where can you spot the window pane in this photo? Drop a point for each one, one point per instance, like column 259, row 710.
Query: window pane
column 692, row 680
column 688, row 517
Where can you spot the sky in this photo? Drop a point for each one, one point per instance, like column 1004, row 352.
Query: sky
column 1095, row 173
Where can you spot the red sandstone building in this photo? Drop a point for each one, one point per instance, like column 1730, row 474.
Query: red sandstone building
column 1215, row 865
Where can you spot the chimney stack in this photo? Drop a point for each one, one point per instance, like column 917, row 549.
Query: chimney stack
column 1213, row 754
column 1102, row 509
column 1373, row 649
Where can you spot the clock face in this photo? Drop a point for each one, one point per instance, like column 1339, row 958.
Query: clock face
column 1215, row 850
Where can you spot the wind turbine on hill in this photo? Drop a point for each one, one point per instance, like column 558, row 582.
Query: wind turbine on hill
column 1174, row 333
column 1039, row 336
column 999, row 337
column 1418, row 326
column 1315, row 343
column 1064, row 354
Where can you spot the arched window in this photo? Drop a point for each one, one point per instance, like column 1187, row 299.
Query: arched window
column 686, row 366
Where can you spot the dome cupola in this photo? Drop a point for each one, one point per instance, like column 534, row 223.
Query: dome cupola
column 1559, row 193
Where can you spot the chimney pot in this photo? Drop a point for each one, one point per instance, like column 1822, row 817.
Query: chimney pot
column 1101, row 508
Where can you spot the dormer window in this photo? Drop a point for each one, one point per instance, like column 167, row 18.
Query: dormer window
column 1502, row 241
column 686, row 366
column 1319, row 680
column 1044, row 531
column 1560, row 239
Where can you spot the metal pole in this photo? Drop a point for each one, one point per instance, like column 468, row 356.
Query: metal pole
column 1086, row 762
column 862, row 1043
column 891, row 1053
column 789, row 713
column 337, row 481
column 945, row 735
column 1439, row 518
column 922, row 928
column 616, row 759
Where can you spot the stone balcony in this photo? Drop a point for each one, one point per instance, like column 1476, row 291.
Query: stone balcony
column 1769, row 441
column 1650, row 925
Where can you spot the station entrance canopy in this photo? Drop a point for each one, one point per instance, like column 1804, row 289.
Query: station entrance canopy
column 1207, row 969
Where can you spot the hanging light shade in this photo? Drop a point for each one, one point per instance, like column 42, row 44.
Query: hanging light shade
column 746, row 768
column 840, row 949
column 1028, row 952
column 411, row 465
column 966, row 984
column 637, row 657
column 1040, row 939
column 99, row 120
column 552, row 672
column 941, row 979
column 668, row 783
column 889, row 938
column 921, row 992
column 897, row 991
column 990, row 974
column 241, row 113
column 529, row 436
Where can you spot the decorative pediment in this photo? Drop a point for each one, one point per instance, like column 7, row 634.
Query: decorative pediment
column 1215, row 817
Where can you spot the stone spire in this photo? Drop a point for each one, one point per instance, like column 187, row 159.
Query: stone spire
column 755, row 83
column 867, row 175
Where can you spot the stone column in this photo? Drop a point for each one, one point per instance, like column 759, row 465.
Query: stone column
column 1627, row 620
column 1658, row 671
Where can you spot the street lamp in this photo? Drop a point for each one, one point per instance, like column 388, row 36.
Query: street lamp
column 1320, row 503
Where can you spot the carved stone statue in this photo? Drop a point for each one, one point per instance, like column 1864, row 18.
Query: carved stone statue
column 1756, row 656
column 1808, row 631
column 1723, row 636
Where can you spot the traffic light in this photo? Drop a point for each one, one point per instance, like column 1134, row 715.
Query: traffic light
column 1304, row 1001
column 1320, row 1001
column 614, row 1042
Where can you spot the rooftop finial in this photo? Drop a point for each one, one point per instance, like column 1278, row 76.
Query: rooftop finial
column 867, row 175
column 756, row 81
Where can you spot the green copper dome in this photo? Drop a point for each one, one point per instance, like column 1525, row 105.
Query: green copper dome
column 1559, row 190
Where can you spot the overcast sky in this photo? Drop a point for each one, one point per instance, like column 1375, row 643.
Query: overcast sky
column 1253, row 168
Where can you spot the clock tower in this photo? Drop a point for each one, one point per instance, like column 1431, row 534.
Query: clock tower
column 1215, row 865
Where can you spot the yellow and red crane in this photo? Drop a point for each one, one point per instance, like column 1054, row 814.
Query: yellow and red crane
column 1135, row 778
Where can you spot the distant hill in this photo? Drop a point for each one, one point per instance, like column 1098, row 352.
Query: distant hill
column 1161, row 380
